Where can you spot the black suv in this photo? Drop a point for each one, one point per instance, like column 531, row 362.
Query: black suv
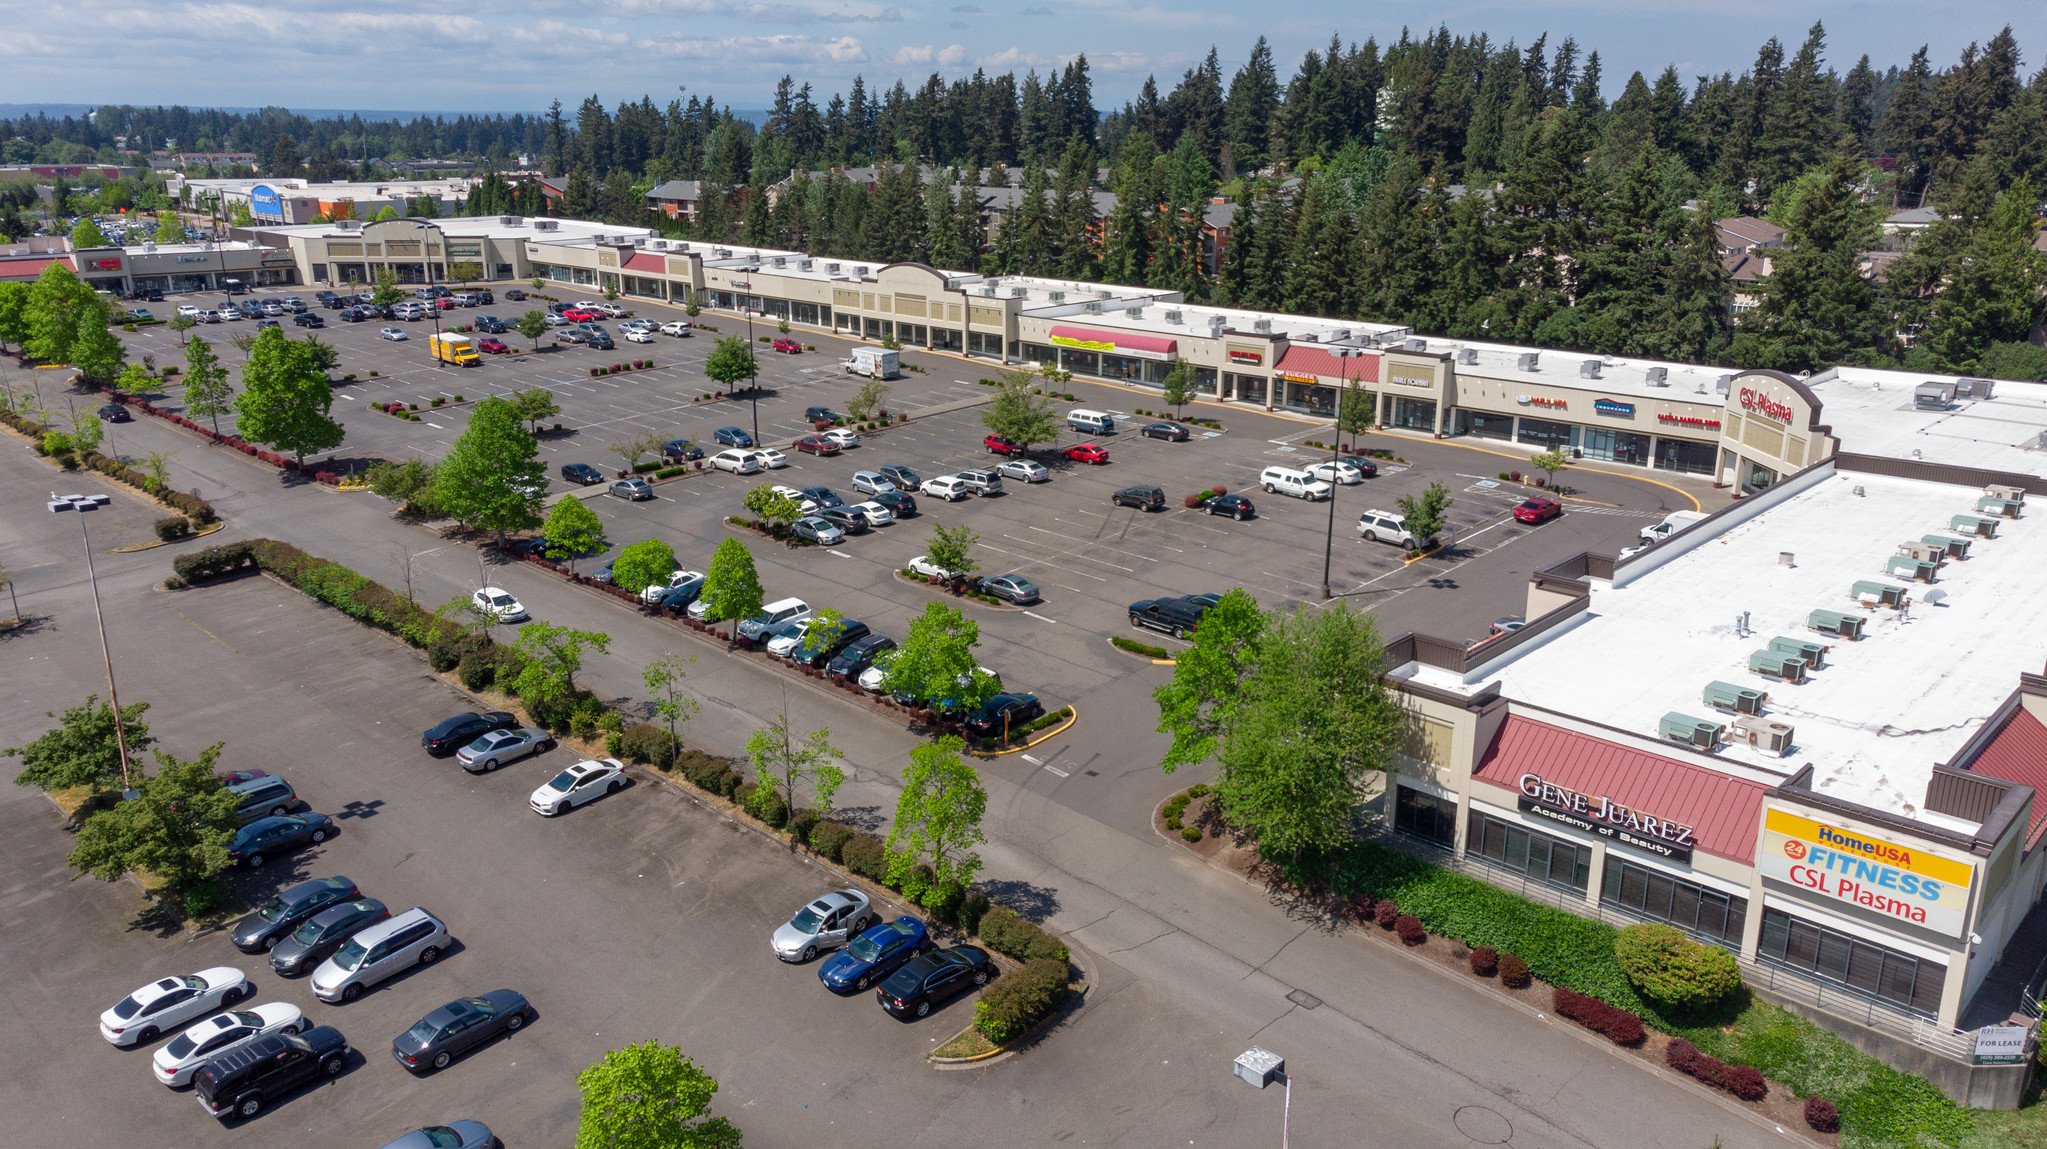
column 1003, row 714
column 282, row 914
column 307, row 319
column 242, row 1081
column 490, row 325
column 858, row 656
column 454, row 733
column 846, row 519
column 807, row 654
column 1143, row 498
column 1174, row 616
column 822, row 415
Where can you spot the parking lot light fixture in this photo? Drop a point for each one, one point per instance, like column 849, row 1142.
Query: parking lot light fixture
column 1335, row 446
column 753, row 381
column 92, row 579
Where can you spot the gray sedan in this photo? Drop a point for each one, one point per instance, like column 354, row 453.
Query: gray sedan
column 453, row 1135
column 823, row 924
column 501, row 746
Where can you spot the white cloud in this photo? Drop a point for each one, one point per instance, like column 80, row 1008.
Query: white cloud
column 912, row 54
column 951, row 55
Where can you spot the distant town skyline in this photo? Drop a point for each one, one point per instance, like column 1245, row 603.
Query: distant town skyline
column 381, row 53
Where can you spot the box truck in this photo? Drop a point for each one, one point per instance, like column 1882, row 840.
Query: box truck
column 449, row 347
column 873, row 362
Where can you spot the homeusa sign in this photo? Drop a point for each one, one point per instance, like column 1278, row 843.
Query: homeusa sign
column 1899, row 882
column 1607, row 818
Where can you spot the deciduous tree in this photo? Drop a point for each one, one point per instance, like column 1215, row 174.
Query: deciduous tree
column 81, row 750
column 553, row 656
column 782, row 762
column 535, row 404
column 1178, row 389
column 732, row 360
column 1019, row 414
column 533, row 325
column 285, row 398
column 208, row 394
column 772, row 507
column 1423, row 513
column 732, row 588
column 936, row 662
column 642, row 564
column 573, row 530
column 938, row 821
column 176, row 829
column 663, row 679
column 492, row 478
column 950, row 549
column 649, row 1096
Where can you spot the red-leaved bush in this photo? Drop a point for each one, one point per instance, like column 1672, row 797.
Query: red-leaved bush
column 1618, row 1025
column 1514, row 972
column 1745, row 1082
column 1485, row 961
column 1821, row 1114
column 1387, row 914
column 1410, row 929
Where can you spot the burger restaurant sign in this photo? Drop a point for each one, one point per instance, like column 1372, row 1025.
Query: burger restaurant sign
column 1607, row 818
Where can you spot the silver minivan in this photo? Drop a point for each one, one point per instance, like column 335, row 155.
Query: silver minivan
column 872, row 483
column 400, row 942
column 1091, row 422
column 262, row 798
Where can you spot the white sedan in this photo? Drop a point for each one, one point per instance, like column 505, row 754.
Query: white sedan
column 1330, row 472
column 656, row 591
column 678, row 327
column 578, row 784
column 499, row 604
column 639, row 335
column 1024, row 469
column 737, row 461
column 771, row 458
column 144, row 1015
column 782, row 644
column 185, row 1053
column 392, row 333
column 844, row 438
column 188, row 311
column 875, row 514
column 922, row 565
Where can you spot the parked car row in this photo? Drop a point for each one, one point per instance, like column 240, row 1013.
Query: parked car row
column 899, row 959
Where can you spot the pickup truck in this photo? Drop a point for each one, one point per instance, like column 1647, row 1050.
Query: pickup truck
column 1671, row 524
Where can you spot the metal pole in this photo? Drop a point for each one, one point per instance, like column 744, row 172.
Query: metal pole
column 1286, row 1119
column 113, row 695
column 753, row 379
column 1336, row 433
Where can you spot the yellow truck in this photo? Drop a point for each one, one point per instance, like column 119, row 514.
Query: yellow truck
column 457, row 349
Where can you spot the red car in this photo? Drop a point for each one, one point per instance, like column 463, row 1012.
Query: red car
column 998, row 445
column 582, row 315
column 817, row 445
column 788, row 347
column 1538, row 510
column 445, row 304
column 1086, row 453
column 492, row 347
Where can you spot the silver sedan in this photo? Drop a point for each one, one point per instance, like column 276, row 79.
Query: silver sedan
column 1025, row 470
column 501, row 746
column 823, row 924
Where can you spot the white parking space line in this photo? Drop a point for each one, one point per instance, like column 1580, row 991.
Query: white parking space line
column 1042, row 618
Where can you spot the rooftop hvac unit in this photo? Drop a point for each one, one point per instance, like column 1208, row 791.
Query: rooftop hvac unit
column 831, row 269
column 988, row 291
column 1093, row 307
column 860, row 269
column 1776, row 664
column 1845, row 625
column 1911, row 569
column 1414, row 344
column 1952, row 547
column 803, row 265
column 1216, row 323
column 1309, row 337
column 682, row 245
column 1100, row 294
column 1134, row 312
column 1876, row 593
column 547, row 225
column 1933, row 395
column 1261, row 325
column 509, row 221
column 1527, row 360
column 1925, row 552
column 1814, row 653
column 1467, row 356
column 1734, row 699
column 1176, row 317
column 1657, row 376
column 1698, row 732
column 2015, row 494
column 1975, row 388
column 1339, row 335
column 1721, row 384
column 1056, row 296
column 781, row 261
column 721, row 252
column 1763, row 734
column 1588, row 369
column 1982, row 528
column 2002, row 508
column 1019, row 292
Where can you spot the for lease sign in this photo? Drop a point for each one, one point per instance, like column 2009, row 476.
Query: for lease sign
column 1899, row 882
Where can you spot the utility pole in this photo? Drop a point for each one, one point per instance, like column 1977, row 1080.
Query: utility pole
column 1335, row 447
column 92, row 578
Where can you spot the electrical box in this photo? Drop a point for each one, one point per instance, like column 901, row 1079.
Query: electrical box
column 2002, row 508
column 1777, row 664
column 1975, row 525
column 1763, row 734
column 1845, row 625
column 1734, row 699
column 1907, row 567
column 1698, row 732
column 1260, row 1067
column 1813, row 653
column 1956, row 548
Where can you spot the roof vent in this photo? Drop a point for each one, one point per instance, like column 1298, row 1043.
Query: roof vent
column 1468, row 356
column 1700, row 732
column 1176, row 317
column 1415, row 344
column 1261, row 325
column 1528, row 361
column 1763, row 734
column 1974, row 388
column 1657, row 376
column 1588, row 369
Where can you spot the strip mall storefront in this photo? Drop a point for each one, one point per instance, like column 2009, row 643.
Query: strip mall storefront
column 1627, row 830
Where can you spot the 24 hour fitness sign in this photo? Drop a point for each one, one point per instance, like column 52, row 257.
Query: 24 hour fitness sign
column 1607, row 818
column 1895, row 881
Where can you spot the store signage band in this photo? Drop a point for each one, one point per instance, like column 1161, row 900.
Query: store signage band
column 1688, row 421
column 1247, row 358
column 1607, row 818
column 1411, row 380
column 1542, row 401
column 1756, row 401
column 1613, row 407
column 1897, row 882
column 1295, row 377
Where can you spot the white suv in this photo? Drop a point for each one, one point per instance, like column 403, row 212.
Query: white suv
column 951, row 488
column 1387, row 527
column 414, row 937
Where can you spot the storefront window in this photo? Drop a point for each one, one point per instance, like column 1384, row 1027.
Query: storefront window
column 1039, row 353
column 944, row 339
column 1204, row 380
column 1525, row 851
column 1873, row 970
column 980, row 344
column 643, row 287
column 1482, row 425
column 1314, row 398
column 1759, row 477
column 1616, row 446
column 1247, row 388
column 1651, row 893
column 1425, row 815
column 1548, row 435
column 1122, row 367
column 1080, row 362
column 1684, row 457
column 803, row 313
column 1414, row 414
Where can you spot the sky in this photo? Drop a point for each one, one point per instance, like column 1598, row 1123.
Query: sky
column 520, row 54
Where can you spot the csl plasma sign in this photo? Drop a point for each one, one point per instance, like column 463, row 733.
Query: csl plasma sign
column 1607, row 818
column 1896, row 881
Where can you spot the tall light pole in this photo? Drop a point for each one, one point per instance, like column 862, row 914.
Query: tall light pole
column 753, row 379
column 1335, row 447
column 92, row 577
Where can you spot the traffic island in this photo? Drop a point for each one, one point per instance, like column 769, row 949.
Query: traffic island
column 957, row 590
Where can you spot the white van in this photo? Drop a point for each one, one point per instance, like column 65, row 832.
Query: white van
column 1671, row 524
column 1293, row 481
column 1091, row 422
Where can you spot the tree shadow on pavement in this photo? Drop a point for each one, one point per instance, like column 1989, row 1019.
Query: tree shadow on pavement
column 1036, row 903
column 866, row 819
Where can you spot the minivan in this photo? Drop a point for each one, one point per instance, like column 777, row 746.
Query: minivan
column 1293, row 481
column 1091, row 422
column 262, row 798
column 414, row 937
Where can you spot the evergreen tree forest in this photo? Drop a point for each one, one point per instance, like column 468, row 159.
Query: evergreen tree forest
column 1464, row 187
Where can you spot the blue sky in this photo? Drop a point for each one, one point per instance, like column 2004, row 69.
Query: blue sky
column 518, row 54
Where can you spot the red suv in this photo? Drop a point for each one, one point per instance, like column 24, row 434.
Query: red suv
column 788, row 346
column 582, row 315
column 997, row 445
column 1538, row 510
column 492, row 347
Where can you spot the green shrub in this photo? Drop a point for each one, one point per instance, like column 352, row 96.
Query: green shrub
column 973, row 908
column 1006, row 933
column 214, row 562
column 801, row 824
column 865, row 855
column 477, row 670
column 201, row 898
column 729, row 783
column 1135, row 647
column 829, row 838
column 1190, row 833
column 1018, row 1001
column 173, row 528
column 647, row 743
column 766, row 804
column 1674, row 969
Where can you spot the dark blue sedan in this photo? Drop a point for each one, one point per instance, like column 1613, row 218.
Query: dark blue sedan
column 732, row 437
column 873, row 955
column 266, row 838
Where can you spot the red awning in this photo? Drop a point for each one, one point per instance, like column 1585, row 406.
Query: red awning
column 1724, row 811
column 1122, row 340
column 643, row 261
column 30, row 268
column 1304, row 360
column 2018, row 753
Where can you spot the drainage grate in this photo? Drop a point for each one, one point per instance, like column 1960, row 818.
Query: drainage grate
column 1304, row 999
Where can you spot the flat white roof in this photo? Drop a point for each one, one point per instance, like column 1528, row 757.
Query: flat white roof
column 1501, row 361
column 1878, row 713
column 1194, row 319
column 1873, row 413
column 572, row 231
